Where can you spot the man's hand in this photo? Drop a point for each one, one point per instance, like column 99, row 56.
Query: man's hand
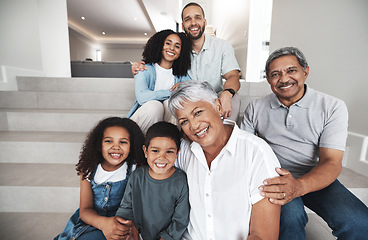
column 116, row 228
column 281, row 190
column 138, row 66
column 173, row 88
column 225, row 99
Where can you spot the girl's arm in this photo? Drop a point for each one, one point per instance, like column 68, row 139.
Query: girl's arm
column 264, row 221
column 110, row 226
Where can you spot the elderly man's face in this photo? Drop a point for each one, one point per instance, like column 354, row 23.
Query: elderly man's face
column 287, row 79
column 201, row 122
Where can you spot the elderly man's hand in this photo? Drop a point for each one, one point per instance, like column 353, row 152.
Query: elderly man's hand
column 281, row 190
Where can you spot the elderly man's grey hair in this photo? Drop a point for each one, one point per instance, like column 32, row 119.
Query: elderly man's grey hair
column 285, row 51
column 191, row 91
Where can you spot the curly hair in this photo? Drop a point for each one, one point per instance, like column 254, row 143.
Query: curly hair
column 153, row 51
column 91, row 153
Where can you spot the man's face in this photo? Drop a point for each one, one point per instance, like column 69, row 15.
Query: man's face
column 287, row 79
column 194, row 22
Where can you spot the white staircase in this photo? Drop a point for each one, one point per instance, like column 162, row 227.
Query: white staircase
column 42, row 129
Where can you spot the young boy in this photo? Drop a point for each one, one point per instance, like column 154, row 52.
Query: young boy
column 156, row 197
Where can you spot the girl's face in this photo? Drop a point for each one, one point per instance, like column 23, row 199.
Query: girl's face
column 171, row 49
column 115, row 147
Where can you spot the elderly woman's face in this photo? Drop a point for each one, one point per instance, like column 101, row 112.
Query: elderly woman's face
column 201, row 122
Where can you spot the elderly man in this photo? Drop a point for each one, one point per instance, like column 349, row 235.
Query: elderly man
column 211, row 60
column 225, row 167
column 307, row 130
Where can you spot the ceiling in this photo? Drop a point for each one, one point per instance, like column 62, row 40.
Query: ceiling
column 122, row 21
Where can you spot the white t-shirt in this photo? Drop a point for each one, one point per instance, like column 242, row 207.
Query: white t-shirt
column 221, row 198
column 164, row 78
column 119, row 174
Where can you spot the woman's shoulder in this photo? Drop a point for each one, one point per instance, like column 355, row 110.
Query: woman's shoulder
column 149, row 71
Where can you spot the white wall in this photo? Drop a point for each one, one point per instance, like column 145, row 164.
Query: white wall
column 82, row 48
column 34, row 40
column 333, row 34
column 230, row 19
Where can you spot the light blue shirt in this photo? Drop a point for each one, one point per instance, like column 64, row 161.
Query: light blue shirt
column 145, row 82
column 215, row 59
column 297, row 132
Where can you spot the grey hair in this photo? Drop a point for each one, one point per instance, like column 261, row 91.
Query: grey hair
column 285, row 51
column 191, row 91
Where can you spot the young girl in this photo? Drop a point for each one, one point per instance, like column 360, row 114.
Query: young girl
column 109, row 155
column 167, row 58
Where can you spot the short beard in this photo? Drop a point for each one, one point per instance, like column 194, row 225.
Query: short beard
column 191, row 37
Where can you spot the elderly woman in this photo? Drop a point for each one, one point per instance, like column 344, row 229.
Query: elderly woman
column 225, row 167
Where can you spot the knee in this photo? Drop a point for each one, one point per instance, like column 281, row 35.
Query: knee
column 153, row 110
column 352, row 226
column 293, row 213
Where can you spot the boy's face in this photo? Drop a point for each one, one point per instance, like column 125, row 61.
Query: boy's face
column 161, row 154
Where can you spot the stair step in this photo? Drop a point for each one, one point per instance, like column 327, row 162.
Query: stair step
column 123, row 100
column 41, row 147
column 37, row 225
column 38, row 187
column 58, row 120
column 47, row 84
column 38, row 175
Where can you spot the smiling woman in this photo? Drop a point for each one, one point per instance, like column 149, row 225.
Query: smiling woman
column 167, row 58
column 224, row 167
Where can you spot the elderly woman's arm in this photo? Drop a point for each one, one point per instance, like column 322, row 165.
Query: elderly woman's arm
column 264, row 221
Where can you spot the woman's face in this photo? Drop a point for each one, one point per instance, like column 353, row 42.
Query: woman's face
column 201, row 122
column 171, row 49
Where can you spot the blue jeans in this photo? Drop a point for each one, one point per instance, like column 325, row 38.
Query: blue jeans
column 346, row 215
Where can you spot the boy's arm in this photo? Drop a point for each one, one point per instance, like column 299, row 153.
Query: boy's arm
column 125, row 209
column 180, row 218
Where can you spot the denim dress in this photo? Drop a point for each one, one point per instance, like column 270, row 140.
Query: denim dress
column 106, row 197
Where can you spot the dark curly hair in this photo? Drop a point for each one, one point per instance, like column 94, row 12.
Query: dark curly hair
column 91, row 153
column 153, row 51
column 163, row 129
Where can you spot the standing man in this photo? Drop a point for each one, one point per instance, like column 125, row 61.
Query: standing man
column 211, row 60
column 307, row 130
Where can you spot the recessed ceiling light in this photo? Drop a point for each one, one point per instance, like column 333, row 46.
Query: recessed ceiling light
column 135, row 19
column 103, row 33
column 83, row 18
column 145, row 34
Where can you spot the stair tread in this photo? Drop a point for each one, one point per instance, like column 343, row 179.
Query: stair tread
column 25, row 226
column 44, row 110
column 29, row 136
column 38, row 174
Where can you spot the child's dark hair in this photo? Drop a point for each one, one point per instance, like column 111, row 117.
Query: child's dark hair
column 163, row 129
column 153, row 51
column 91, row 153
